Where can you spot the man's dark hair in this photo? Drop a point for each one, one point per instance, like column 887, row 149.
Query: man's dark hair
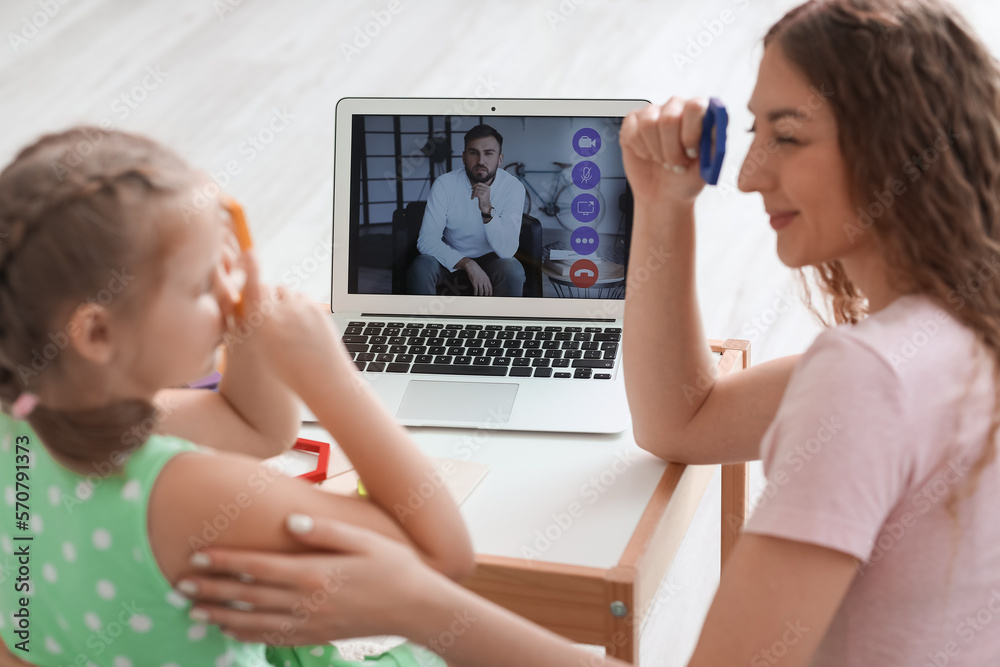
column 482, row 131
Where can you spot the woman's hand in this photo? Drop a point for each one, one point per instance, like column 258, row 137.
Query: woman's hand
column 365, row 584
column 660, row 150
column 377, row 587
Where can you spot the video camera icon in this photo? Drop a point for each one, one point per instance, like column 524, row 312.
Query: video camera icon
column 587, row 141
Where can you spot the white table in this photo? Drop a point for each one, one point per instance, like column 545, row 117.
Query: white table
column 576, row 531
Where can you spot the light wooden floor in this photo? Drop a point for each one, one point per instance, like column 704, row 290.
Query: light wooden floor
column 203, row 75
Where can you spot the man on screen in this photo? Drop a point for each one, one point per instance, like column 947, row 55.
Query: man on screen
column 472, row 223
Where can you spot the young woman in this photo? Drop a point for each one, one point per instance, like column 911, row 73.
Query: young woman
column 877, row 156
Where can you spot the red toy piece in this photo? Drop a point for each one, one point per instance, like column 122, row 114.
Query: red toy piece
column 322, row 449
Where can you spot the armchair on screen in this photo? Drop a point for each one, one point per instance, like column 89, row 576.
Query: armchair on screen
column 406, row 228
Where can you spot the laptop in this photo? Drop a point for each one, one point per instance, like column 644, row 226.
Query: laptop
column 417, row 184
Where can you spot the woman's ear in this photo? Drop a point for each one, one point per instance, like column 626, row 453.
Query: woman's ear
column 90, row 333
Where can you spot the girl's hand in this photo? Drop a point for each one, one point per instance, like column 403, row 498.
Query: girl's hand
column 357, row 584
column 283, row 327
column 292, row 328
column 657, row 144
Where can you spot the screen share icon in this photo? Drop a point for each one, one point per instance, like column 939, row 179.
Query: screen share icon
column 586, row 207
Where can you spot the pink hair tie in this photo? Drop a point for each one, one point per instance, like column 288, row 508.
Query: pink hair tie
column 24, row 404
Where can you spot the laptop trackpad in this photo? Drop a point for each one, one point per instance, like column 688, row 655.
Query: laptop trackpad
column 481, row 402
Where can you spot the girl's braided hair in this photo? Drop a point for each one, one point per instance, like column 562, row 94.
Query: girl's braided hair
column 82, row 225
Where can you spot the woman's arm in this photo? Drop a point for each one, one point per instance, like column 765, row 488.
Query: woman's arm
column 775, row 600
column 680, row 411
column 383, row 589
column 730, row 423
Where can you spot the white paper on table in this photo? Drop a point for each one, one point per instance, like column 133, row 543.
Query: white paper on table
column 460, row 478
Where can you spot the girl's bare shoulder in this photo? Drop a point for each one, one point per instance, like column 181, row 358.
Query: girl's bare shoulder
column 214, row 498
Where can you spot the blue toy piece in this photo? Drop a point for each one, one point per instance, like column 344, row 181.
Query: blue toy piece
column 711, row 160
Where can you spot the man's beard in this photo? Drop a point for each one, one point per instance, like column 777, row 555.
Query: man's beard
column 473, row 178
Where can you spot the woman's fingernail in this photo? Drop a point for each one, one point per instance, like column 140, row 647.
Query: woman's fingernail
column 187, row 587
column 300, row 523
column 200, row 559
column 692, row 152
column 198, row 615
column 667, row 165
column 680, row 169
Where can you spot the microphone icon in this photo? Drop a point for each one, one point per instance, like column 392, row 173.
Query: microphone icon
column 586, row 175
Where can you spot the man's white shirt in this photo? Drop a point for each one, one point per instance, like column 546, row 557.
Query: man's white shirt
column 453, row 224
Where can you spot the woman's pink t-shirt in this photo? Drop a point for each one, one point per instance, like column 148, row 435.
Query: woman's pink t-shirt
column 880, row 422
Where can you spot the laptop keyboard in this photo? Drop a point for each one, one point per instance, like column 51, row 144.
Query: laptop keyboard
column 488, row 350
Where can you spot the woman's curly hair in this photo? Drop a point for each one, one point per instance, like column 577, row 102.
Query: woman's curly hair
column 916, row 97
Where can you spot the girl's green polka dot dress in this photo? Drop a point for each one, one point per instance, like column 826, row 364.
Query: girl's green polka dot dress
column 95, row 596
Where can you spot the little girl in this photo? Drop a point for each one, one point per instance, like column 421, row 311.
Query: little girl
column 116, row 284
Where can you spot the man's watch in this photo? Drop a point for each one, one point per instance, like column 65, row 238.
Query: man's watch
column 493, row 211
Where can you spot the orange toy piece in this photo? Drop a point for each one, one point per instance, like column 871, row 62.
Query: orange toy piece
column 242, row 236
column 240, row 225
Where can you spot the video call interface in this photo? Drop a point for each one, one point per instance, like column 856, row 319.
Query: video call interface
column 533, row 206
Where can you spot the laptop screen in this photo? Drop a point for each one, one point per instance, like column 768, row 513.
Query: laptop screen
column 499, row 206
